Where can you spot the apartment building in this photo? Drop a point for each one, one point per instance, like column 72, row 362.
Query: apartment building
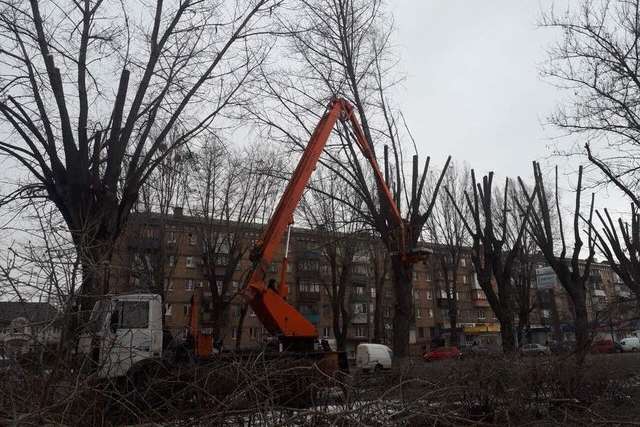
column 611, row 306
column 164, row 254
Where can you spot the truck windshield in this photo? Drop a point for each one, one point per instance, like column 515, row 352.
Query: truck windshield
column 132, row 314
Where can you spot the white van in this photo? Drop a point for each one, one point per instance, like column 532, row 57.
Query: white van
column 630, row 344
column 373, row 356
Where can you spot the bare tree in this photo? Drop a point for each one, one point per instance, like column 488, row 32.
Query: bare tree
column 232, row 195
column 573, row 273
column 495, row 245
column 340, row 238
column 379, row 257
column 597, row 60
column 342, row 49
column 621, row 247
column 87, row 142
column 527, row 259
column 450, row 236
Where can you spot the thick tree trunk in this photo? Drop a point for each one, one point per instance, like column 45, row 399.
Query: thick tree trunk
column 403, row 315
column 523, row 322
column 339, row 331
column 581, row 325
column 378, row 326
column 243, row 313
column 507, row 334
column 453, row 320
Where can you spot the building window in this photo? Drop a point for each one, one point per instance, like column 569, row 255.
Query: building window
column 190, row 263
column 252, row 332
column 360, row 331
column 373, row 292
column 167, row 309
column 415, row 275
column 418, row 313
column 171, row 237
column 430, row 313
column 546, row 313
column 429, row 276
column 325, row 332
column 168, row 285
column 464, row 279
column 481, row 315
column 359, row 290
column 192, row 239
column 387, row 311
column 359, row 308
column 234, row 333
column 307, row 287
column 185, row 309
column 463, row 263
column 252, row 313
column 172, row 261
column 420, row 332
column 428, row 295
column 188, row 285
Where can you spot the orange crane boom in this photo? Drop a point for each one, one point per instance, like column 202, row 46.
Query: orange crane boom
column 269, row 304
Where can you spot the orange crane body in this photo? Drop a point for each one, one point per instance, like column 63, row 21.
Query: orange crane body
column 268, row 303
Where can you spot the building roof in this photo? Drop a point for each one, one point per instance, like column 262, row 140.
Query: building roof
column 35, row 312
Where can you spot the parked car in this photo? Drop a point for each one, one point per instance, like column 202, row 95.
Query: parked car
column 479, row 350
column 373, row 357
column 603, row 346
column 630, row 344
column 442, row 353
column 534, row 349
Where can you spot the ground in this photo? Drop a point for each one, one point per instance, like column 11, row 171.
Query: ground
column 484, row 390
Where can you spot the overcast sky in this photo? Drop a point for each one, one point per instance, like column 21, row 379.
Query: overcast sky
column 472, row 85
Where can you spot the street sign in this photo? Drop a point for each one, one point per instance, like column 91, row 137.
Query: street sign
column 545, row 278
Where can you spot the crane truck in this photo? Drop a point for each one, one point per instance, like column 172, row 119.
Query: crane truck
column 128, row 329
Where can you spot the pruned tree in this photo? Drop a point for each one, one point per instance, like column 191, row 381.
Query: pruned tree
column 597, row 61
column 494, row 248
column 88, row 141
column 450, row 237
column 524, row 277
column 621, row 247
column 573, row 274
column 232, row 195
column 342, row 49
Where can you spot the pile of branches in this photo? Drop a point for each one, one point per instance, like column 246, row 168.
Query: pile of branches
column 254, row 390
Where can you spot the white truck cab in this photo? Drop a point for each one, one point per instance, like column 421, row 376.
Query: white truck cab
column 127, row 329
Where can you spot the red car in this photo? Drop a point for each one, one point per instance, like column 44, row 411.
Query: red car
column 442, row 353
column 605, row 346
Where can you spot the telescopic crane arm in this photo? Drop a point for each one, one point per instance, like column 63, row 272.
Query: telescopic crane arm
column 269, row 304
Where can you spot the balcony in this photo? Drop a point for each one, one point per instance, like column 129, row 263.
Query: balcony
column 308, row 296
column 359, row 319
